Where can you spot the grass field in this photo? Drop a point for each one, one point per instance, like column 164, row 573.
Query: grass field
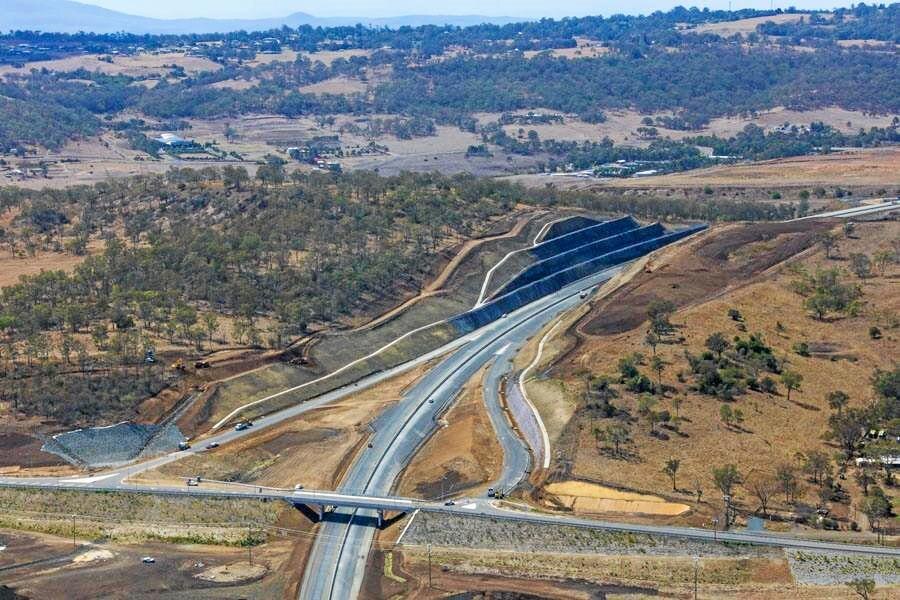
column 774, row 430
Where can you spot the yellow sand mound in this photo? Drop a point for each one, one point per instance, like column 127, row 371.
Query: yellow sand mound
column 593, row 498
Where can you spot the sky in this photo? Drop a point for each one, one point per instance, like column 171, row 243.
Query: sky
column 171, row 9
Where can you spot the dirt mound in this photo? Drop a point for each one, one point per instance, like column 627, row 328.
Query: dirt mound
column 721, row 259
column 17, row 449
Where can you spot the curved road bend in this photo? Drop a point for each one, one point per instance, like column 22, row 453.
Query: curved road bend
column 517, row 458
column 337, row 563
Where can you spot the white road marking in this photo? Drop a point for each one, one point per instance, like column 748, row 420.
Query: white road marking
column 537, row 415
column 471, row 506
column 502, row 350
column 89, row 479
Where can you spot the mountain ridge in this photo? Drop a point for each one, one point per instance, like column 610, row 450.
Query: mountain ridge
column 68, row 16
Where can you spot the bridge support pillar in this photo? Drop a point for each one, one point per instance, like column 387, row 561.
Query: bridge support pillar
column 380, row 518
column 321, row 512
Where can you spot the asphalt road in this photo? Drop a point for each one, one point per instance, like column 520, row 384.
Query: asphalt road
column 337, row 563
column 517, row 459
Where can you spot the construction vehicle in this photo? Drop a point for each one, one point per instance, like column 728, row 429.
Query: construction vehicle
column 178, row 365
column 201, row 364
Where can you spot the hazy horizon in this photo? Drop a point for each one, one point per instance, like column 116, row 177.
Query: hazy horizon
column 261, row 9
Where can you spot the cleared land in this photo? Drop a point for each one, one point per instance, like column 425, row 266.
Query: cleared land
column 312, row 450
column 745, row 26
column 110, row 570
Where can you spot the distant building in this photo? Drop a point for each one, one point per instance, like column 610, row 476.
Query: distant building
column 171, row 140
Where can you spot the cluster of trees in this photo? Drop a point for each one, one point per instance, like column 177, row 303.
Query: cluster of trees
column 825, row 292
column 199, row 243
column 404, row 129
column 728, row 368
column 859, row 22
column 753, row 141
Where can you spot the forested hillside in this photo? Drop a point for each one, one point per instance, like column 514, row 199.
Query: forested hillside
column 445, row 74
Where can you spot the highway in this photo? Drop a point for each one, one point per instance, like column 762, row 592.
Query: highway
column 337, row 563
column 885, row 206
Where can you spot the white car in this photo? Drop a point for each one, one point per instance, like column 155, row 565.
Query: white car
column 299, row 486
column 148, row 560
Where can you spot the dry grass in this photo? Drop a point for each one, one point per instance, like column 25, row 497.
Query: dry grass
column 464, row 452
column 13, row 268
column 584, row 48
column 871, row 167
column 745, row 26
column 141, row 65
column 336, row 85
column 774, row 429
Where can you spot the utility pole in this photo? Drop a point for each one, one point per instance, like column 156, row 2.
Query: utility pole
column 74, row 542
column 249, row 544
column 429, row 566
column 696, row 564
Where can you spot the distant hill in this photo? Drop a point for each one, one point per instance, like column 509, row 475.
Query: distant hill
column 69, row 17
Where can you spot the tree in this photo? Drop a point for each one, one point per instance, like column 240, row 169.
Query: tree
column 817, row 465
column 234, row 177
column 787, row 481
column 671, row 469
column 791, row 380
column 726, row 477
column 616, row 435
column 600, row 395
column 698, row 490
column 658, row 365
column 230, row 132
column 762, row 486
column 659, row 312
column 646, row 404
column 876, row 507
column 848, row 429
column 210, row 324
column 829, row 242
column 677, row 401
column 860, row 265
column 726, row 414
column 864, row 478
column 652, row 340
column 882, row 259
column 864, row 588
column 837, row 400
column 717, row 343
